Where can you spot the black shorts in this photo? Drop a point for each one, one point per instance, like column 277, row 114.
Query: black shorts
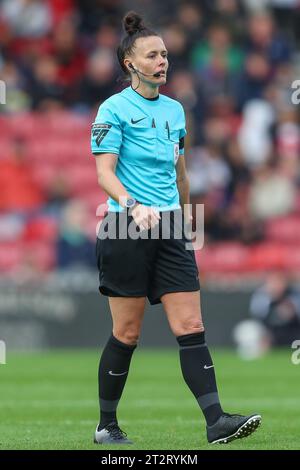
column 144, row 267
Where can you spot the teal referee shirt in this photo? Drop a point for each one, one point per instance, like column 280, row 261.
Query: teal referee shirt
column 147, row 135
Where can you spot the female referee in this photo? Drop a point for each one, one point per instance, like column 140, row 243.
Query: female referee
column 138, row 144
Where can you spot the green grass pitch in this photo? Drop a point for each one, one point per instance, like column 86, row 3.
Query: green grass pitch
column 49, row 401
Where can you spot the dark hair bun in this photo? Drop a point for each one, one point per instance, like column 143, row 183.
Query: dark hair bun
column 133, row 23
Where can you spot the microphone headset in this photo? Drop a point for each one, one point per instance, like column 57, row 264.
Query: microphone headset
column 157, row 74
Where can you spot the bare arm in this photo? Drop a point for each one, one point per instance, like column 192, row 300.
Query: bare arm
column 144, row 217
column 183, row 186
column 106, row 164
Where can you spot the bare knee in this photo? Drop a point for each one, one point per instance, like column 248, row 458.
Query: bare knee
column 128, row 334
column 127, row 316
column 187, row 326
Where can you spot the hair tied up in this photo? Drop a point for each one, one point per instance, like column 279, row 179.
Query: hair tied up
column 133, row 23
column 135, row 28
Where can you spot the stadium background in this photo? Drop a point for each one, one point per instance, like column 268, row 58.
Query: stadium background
column 232, row 64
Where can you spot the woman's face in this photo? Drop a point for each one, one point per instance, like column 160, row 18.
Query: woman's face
column 150, row 56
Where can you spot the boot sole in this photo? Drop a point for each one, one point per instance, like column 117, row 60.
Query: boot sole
column 117, row 442
column 245, row 430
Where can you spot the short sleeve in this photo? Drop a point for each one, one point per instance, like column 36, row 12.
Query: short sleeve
column 106, row 134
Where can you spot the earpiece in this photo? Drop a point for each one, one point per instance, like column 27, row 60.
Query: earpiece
column 131, row 66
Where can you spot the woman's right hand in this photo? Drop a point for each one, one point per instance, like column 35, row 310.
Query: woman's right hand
column 145, row 217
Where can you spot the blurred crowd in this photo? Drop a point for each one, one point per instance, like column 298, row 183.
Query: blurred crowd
column 232, row 65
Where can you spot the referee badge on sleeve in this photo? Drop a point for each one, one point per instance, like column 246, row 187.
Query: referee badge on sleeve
column 99, row 131
column 176, row 153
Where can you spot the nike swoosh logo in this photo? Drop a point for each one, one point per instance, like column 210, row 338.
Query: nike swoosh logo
column 208, row 367
column 135, row 122
column 111, row 373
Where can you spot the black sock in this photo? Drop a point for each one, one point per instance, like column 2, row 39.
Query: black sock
column 198, row 372
column 113, row 371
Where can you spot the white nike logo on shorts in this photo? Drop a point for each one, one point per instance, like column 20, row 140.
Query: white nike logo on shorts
column 208, row 367
column 111, row 373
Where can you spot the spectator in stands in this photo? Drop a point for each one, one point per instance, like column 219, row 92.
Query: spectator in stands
column 69, row 55
column 218, row 44
column 17, row 100
column 216, row 60
column 232, row 220
column 58, row 194
column 250, row 84
column 183, row 87
column 27, row 19
column 271, row 193
column 46, row 91
column 99, row 81
column 175, row 39
column 232, row 14
column 19, row 191
column 208, row 170
column 264, row 38
column 275, row 312
column 191, row 19
column 93, row 13
column 74, row 247
column 287, row 138
column 254, row 135
column 106, row 37
column 286, row 12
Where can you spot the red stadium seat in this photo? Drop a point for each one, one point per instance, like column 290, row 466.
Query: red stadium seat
column 223, row 257
column 67, row 124
column 10, row 256
column 44, row 175
column 16, row 256
column 82, row 179
column 23, row 125
column 6, row 148
column 292, row 258
column 5, row 127
column 94, row 199
column 42, row 229
column 267, row 256
column 285, row 229
column 238, row 259
column 58, row 151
